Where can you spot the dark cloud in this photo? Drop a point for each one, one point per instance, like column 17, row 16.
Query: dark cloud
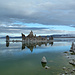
column 46, row 12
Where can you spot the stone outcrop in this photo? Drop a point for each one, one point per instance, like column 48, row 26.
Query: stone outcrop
column 51, row 38
column 72, row 47
column 34, row 38
column 23, row 36
column 44, row 60
column 7, row 38
column 31, row 38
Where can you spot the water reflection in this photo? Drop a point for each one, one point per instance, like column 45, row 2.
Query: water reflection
column 7, row 44
column 72, row 53
column 31, row 45
column 43, row 64
column 51, row 43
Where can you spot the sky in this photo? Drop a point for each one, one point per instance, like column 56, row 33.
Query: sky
column 43, row 17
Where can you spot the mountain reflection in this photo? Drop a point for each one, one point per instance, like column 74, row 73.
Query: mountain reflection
column 31, row 46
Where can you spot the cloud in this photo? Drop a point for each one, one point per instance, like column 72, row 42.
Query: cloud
column 46, row 12
column 16, row 31
column 15, row 14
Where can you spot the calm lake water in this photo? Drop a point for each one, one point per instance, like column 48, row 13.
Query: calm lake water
column 25, row 59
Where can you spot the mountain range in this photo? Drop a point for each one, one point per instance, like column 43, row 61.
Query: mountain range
column 55, row 36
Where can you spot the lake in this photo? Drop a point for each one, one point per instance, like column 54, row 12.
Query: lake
column 25, row 59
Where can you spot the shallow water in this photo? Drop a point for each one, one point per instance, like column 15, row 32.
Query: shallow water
column 25, row 59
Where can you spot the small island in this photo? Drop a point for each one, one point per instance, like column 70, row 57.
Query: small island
column 31, row 38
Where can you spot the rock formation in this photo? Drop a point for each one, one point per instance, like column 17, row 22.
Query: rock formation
column 44, row 60
column 7, row 38
column 72, row 47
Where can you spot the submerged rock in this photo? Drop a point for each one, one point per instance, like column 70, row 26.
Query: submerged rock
column 43, row 64
column 71, row 62
column 67, row 56
column 73, row 69
column 66, row 72
column 44, row 60
column 66, row 52
column 64, row 68
column 63, row 74
column 46, row 67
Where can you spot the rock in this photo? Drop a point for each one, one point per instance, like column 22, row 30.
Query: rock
column 66, row 52
column 64, row 68
column 71, row 62
column 46, row 67
column 67, row 56
column 44, row 60
column 74, row 51
column 63, row 74
column 68, row 68
column 73, row 69
column 71, row 50
column 72, row 72
column 66, row 73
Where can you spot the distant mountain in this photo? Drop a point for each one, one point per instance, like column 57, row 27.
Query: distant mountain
column 56, row 36
column 11, row 37
column 64, row 35
column 61, row 35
